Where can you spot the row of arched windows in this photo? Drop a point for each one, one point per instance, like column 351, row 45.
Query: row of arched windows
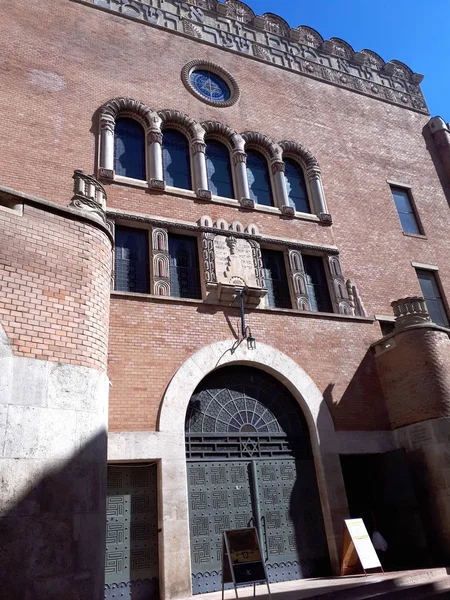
column 130, row 161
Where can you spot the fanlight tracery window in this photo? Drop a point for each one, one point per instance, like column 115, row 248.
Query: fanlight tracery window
column 259, row 178
column 176, row 159
column 129, row 149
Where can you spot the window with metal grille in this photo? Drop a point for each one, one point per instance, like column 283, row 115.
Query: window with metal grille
column 129, row 149
column 405, row 210
column 432, row 295
column 184, row 270
column 131, row 260
column 176, row 159
column 275, row 279
column 318, row 291
column 218, row 166
column 296, row 186
column 259, row 178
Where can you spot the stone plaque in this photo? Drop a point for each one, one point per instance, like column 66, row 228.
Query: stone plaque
column 234, row 261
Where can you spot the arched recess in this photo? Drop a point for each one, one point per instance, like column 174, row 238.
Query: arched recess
column 320, row 424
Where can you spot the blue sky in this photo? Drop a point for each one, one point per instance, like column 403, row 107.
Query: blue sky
column 414, row 32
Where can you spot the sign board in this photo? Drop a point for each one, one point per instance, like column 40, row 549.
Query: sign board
column 357, row 548
column 242, row 562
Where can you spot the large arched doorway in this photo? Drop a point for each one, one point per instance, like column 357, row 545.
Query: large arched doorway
column 249, row 463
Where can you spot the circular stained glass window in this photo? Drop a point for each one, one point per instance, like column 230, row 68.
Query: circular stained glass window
column 210, row 86
column 210, row 83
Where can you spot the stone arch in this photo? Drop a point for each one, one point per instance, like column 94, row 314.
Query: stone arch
column 400, row 69
column 264, row 144
column 118, row 107
column 276, row 24
column 309, row 36
column 185, row 124
column 224, row 134
column 235, row 9
column 306, row 158
column 171, row 419
column 342, row 48
column 373, row 59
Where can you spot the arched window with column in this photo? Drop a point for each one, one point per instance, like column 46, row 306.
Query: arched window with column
column 218, row 167
column 296, row 186
column 258, row 175
column 176, row 159
column 129, row 148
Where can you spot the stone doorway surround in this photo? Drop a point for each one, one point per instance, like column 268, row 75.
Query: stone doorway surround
column 167, row 447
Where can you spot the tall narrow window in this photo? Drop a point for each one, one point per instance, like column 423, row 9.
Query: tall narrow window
column 318, row 292
column 405, row 210
column 432, row 295
column 184, row 271
column 129, row 149
column 176, row 160
column 275, row 279
column 218, row 166
column 131, row 260
column 259, row 179
column 296, row 186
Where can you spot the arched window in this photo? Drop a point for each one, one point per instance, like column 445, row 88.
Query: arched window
column 296, row 186
column 129, row 149
column 218, row 166
column 259, row 178
column 176, row 161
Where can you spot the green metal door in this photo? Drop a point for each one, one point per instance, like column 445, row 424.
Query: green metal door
column 131, row 565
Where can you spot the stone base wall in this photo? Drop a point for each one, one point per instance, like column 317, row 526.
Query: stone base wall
column 428, row 450
column 53, row 423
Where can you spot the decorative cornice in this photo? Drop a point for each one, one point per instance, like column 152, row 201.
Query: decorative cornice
column 114, row 214
column 233, row 26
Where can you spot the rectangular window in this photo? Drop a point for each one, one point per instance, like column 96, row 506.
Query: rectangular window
column 318, row 292
column 184, row 271
column 432, row 295
column 131, row 260
column 275, row 279
column 405, row 210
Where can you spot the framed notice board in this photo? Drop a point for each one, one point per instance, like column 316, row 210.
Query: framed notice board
column 242, row 561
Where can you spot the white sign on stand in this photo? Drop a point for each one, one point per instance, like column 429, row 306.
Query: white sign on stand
column 358, row 547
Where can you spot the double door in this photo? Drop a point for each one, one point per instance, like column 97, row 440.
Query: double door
column 277, row 496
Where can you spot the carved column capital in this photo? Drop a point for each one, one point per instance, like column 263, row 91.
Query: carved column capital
column 239, row 157
column 313, row 173
column 107, row 123
column 154, row 136
column 198, row 146
column 278, row 166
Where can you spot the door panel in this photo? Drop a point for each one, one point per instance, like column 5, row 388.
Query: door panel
column 131, row 564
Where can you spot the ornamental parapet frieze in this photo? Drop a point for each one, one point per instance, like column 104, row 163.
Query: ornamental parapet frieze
column 232, row 25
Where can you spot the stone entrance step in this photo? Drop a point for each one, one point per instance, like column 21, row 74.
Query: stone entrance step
column 404, row 585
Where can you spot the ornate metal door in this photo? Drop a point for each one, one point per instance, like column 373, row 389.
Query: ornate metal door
column 131, row 565
column 250, row 464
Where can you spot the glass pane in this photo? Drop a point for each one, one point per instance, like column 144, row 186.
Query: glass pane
column 184, row 271
column 401, row 199
column 409, row 223
column 131, row 260
column 210, row 85
column 296, row 187
column 218, row 167
column 176, row 160
column 430, row 291
column 318, row 292
column 259, row 179
column 275, row 279
column 129, row 149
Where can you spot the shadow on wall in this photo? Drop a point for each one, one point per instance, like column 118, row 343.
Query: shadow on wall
column 52, row 541
column 440, row 169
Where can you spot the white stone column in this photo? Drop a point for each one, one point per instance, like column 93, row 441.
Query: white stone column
column 281, row 196
column 240, row 176
column 317, row 194
column 106, row 166
column 154, row 159
column 200, row 175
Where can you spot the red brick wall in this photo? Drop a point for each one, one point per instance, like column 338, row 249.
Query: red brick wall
column 54, row 294
column 415, row 376
column 65, row 60
column 150, row 340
